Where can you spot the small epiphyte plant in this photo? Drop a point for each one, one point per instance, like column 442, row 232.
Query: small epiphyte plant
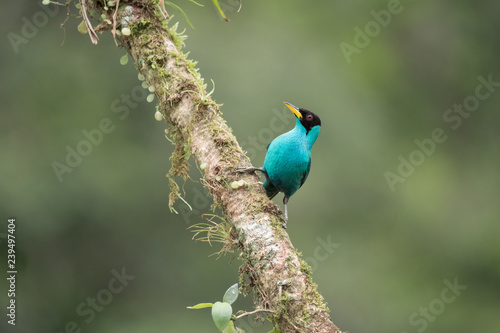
column 222, row 311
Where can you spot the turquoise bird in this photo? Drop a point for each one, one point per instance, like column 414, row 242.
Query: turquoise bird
column 288, row 158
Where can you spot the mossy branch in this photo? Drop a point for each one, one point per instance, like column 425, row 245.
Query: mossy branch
column 197, row 128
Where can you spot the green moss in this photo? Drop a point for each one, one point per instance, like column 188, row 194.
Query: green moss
column 141, row 26
column 177, row 38
column 152, row 63
column 305, row 268
column 180, row 164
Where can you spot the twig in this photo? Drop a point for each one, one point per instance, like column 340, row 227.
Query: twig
column 252, row 312
column 92, row 34
column 62, row 26
column 114, row 21
column 162, row 3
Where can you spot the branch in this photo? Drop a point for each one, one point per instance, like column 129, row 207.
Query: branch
column 197, row 128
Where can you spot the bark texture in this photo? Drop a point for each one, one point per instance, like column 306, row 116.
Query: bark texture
column 272, row 267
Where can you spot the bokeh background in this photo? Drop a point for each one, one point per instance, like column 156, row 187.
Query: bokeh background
column 384, row 256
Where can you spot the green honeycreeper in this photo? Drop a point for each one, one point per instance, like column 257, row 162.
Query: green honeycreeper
column 288, row 158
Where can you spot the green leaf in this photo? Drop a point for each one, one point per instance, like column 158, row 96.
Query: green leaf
column 220, row 10
column 231, row 294
column 201, row 306
column 173, row 5
column 221, row 313
column 196, row 3
column 229, row 328
column 275, row 331
column 124, row 59
column 126, row 31
column 82, row 28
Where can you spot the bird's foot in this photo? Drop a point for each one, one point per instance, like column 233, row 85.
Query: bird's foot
column 249, row 170
column 284, row 224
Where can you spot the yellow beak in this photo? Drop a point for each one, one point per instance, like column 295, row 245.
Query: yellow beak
column 294, row 109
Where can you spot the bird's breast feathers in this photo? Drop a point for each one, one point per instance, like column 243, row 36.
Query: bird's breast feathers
column 287, row 163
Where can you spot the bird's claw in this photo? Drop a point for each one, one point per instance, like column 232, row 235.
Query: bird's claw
column 244, row 169
column 248, row 169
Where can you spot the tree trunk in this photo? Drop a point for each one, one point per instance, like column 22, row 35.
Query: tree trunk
column 272, row 267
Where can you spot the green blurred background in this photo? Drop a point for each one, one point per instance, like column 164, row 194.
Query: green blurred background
column 391, row 250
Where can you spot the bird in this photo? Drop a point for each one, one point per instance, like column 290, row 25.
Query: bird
column 288, row 158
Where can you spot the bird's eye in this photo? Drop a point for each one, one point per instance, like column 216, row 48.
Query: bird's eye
column 309, row 117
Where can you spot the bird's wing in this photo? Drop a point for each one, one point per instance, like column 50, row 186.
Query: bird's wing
column 306, row 173
column 271, row 190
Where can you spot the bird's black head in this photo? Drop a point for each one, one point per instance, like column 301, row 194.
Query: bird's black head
column 307, row 118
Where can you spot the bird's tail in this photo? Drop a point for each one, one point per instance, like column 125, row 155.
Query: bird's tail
column 271, row 190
